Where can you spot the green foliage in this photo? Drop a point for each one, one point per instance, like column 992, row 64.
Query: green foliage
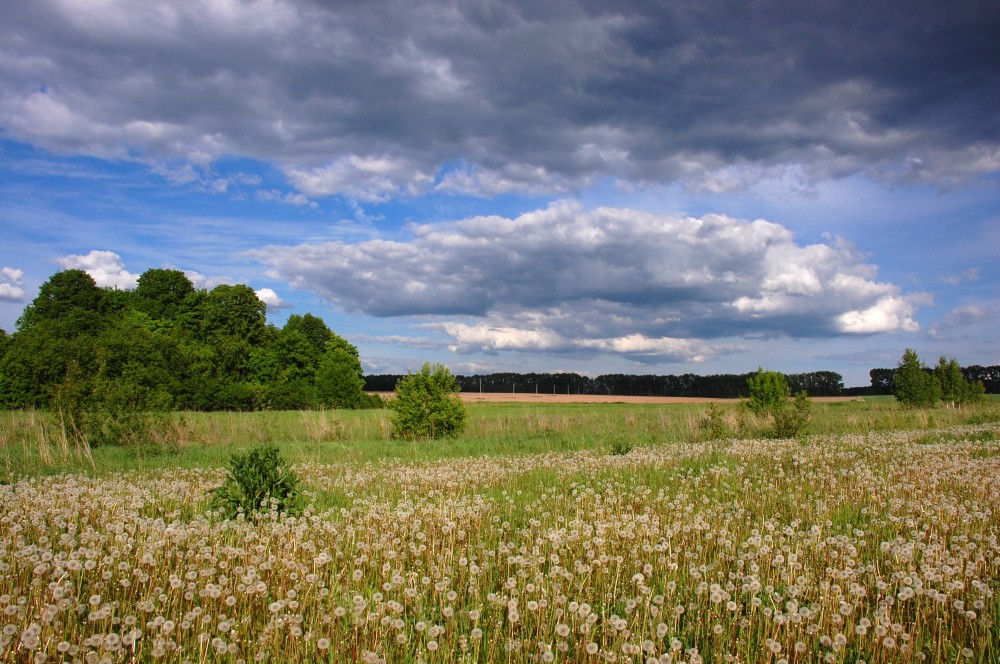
column 915, row 386
column 427, row 405
column 69, row 301
column 339, row 382
column 256, row 481
column 769, row 398
column 713, row 423
column 790, row 420
column 620, row 445
column 768, row 392
column 955, row 390
column 234, row 312
column 171, row 345
column 163, row 294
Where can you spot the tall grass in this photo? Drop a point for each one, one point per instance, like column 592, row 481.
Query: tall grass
column 35, row 442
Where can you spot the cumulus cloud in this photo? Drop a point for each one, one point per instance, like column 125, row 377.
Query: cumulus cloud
column 11, row 284
column 379, row 100
column 272, row 299
column 615, row 281
column 106, row 267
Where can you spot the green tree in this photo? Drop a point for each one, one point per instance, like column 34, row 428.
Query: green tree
column 914, row 386
column 340, row 381
column 314, row 330
column 70, row 302
column 163, row 293
column 234, row 311
column 427, row 405
column 768, row 392
column 955, row 389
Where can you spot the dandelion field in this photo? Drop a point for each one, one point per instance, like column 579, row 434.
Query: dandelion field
column 879, row 546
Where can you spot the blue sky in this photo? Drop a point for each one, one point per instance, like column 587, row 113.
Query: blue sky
column 702, row 187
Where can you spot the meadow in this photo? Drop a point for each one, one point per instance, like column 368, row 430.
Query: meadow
column 569, row 533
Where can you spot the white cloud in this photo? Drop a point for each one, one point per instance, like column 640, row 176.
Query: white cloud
column 106, row 267
column 288, row 198
column 515, row 178
column 565, row 279
column 364, row 178
column 887, row 315
column 11, row 284
column 272, row 299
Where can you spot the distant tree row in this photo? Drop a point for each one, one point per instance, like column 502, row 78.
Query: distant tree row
column 168, row 345
column 721, row 386
column 718, row 386
column 883, row 381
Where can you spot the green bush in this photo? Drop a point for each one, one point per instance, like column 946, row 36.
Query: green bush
column 427, row 405
column 256, row 481
column 768, row 392
column 713, row 423
column 620, row 445
column 790, row 420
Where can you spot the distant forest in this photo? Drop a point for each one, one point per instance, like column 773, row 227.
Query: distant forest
column 719, row 386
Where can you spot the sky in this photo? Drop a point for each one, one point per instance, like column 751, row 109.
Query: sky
column 700, row 186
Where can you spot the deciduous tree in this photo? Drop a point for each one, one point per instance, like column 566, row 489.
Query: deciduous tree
column 915, row 386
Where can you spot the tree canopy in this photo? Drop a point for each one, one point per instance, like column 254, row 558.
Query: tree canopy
column 169, row 345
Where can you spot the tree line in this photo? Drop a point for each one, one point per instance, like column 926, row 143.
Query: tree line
column 720, row 386
column 167, row 345
column 883, row 381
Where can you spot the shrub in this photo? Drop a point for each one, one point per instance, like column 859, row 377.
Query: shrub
column 768, row 392
column 427, row 405
column 713, row 423
column 256, row 480
column 620, row 445
column 790, row 420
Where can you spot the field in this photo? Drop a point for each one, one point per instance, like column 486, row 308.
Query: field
column 614, row 532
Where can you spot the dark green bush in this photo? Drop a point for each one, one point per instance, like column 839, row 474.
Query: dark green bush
column 257, row 481
column 427, row 405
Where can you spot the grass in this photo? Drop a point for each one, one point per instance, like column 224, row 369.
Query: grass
column 32, row 443
column 876, row 538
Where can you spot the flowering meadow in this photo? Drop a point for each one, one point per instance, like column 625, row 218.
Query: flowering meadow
column 883, row 547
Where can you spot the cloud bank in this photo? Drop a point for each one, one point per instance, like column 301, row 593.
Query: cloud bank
column 607, row 281
column 386, row 99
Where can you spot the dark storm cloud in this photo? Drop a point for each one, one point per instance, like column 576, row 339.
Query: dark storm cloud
column 380, row 99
